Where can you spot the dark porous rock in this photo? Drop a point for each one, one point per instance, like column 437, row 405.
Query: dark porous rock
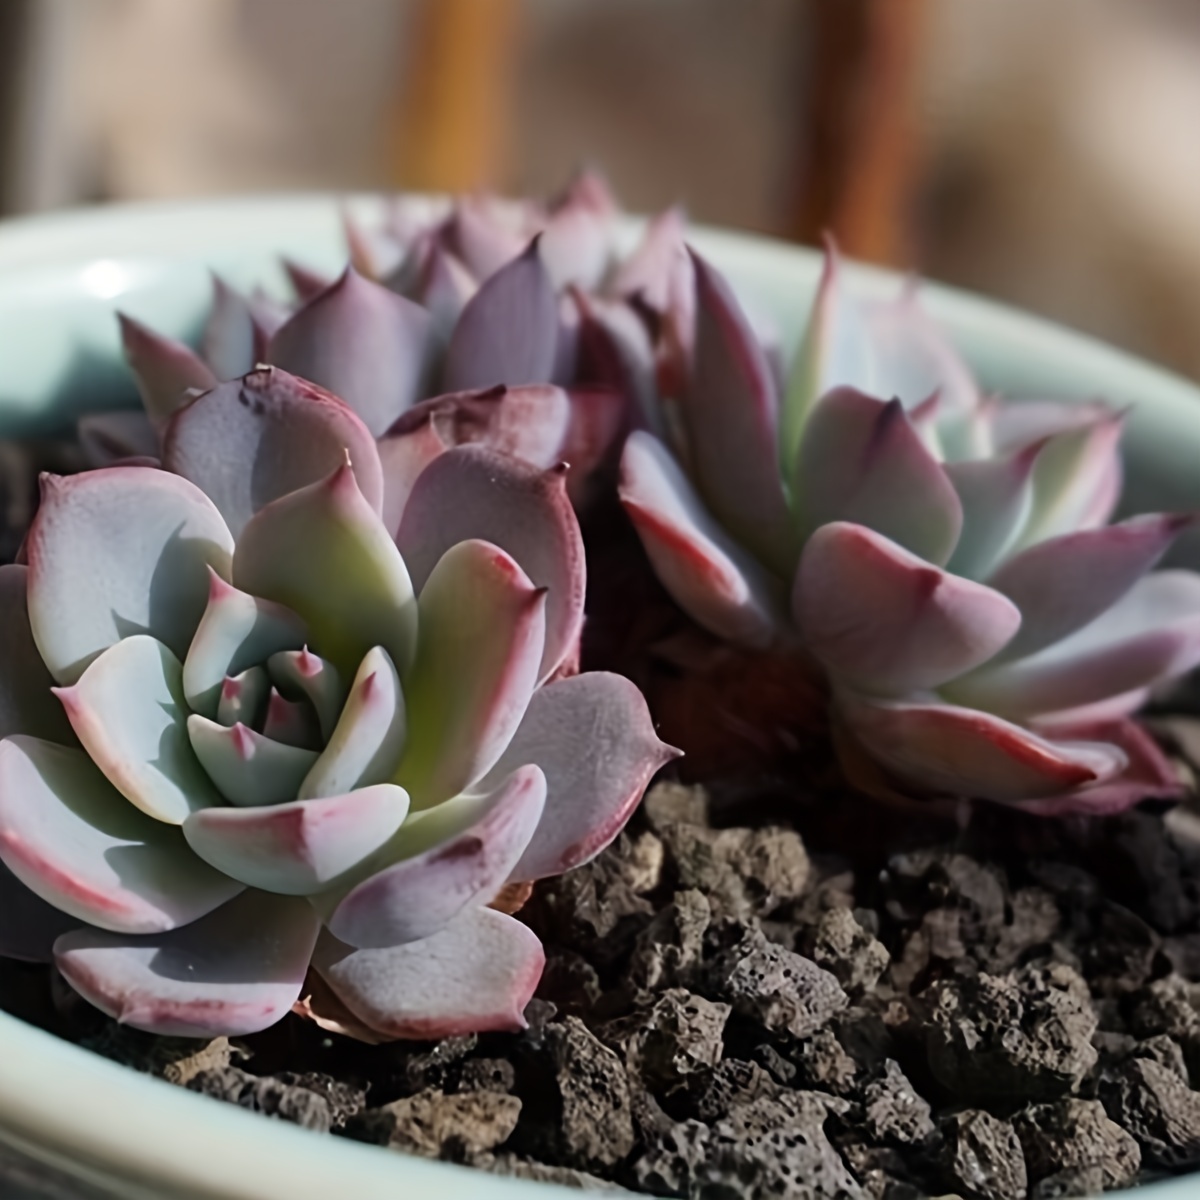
column 1165, row 1051
column 775, row 987
column 760, row 1150
column 846, row 950
column 1074, row 1181
column 486, row 1075
column 892, row 1110
column 424, row 1065
column 1119, row 951
column 176, row 1059
column 1158, row 1108
column 678, row 1035
column 270, row 1096
column 744, row 872
column 880, row 1170
column 732, row 1082
column 345, row 1100
column 1026, row 1035
column 437, row 1125
column 569, row 982
column 1166, row 1007
column 1075, row 1135
column 668, row 951
column 981, row 1157
column 596, row 909
column 780, row 1069
column 578, row 1110
column 824, row 1065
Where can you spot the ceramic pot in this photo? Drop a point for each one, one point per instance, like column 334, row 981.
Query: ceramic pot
column 69, row 1114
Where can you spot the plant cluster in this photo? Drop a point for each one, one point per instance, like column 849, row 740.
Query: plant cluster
column 291, row 705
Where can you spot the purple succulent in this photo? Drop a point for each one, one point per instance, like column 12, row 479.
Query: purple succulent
column 501, row 323
column 943, row 556
column 248, row 731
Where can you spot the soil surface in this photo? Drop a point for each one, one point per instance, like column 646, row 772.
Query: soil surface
column 759, row 994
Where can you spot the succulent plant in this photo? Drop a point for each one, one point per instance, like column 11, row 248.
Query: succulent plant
column 493, row 322
column 943, row 556
column 248, row 731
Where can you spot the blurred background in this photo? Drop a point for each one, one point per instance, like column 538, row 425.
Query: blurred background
column 1045, row 153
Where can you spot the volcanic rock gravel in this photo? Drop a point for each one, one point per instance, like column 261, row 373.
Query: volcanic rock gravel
column 736, row 1006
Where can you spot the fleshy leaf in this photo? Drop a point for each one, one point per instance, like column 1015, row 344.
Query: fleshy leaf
column 1076, row 479
column 129, row 711
column 293, row 722
column 731, row 411
column 473, row 492
column 890, row 349
column 1063, row 583
column 508, row 332
column 166, row 370
column 443, row 287
column 70, row 836
column 882, row 620
column 482, row 628
column 230, row 344
column 403, row 457
column 862, row 461
column 247, row 767
column 530, row 422
column 300, row 673
column 474, row 976
column 26, row 703
column 235, row 972
column 362, row 342
column 455, row 855
column 300, row 847
column 834, row 352
column 236, row 632
column 119, row 551
column 962, row 752
column 368, row 741
column 710, row 576
column 649, row 274
column 324, row 553
column 1152, row 633
column 257, row 438
column 615, row 350
column 1148, row 775
column 243, row 697
column 477, row 235
column 111, row 437
column 577, row 239
column 996, row 495
column 593, row 784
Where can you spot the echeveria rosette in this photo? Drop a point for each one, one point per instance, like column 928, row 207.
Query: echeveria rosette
column 942, row 555
column 247, row 733
column 460, row 325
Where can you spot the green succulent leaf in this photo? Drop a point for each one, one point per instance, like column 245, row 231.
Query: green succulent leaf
column 300, row 847
column 243, row 697
column 323, row 552
column 482, row 632
column 236, row 971
column 301, row 674
column 248, row 768
column 115, row 552
column 70, row 837
column 368, row 741
column 129, row 711
column 237, row 631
